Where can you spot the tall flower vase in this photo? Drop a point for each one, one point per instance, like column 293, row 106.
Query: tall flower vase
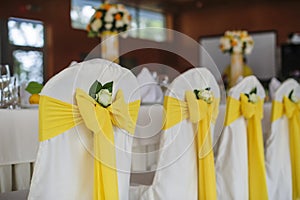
column 236, row 68
column 110, row 46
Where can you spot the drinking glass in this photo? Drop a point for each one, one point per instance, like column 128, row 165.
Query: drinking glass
column 14, row 93
column 4, row 82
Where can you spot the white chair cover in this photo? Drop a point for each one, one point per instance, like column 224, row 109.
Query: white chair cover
column 64, row 165
column 277, row 150
column 232, row 157
column 176, row 173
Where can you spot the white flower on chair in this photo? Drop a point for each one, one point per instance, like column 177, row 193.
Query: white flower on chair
column 102, row 94
column 252, row 96
column 104, row 97
column 293, row 97
column 205, row 95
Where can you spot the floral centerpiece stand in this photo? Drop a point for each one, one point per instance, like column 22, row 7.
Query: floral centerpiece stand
column 107, row 21
column 237, row 44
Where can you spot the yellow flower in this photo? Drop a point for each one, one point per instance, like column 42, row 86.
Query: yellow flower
column 34, row 99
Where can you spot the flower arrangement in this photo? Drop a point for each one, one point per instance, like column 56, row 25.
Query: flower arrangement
column 205, row 95
column 102, row 93
column 109, row 18
column 252, row 96
column 236, row 42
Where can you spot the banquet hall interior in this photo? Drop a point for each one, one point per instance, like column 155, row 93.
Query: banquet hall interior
column 40, row 39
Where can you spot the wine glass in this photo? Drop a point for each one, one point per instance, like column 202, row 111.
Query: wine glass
column 4, row 82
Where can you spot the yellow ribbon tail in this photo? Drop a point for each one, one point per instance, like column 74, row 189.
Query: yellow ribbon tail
column 201, row 114
column 253, row 113
column 294, row 127
column 206, row 167
column 292, row 111
column 256, row 169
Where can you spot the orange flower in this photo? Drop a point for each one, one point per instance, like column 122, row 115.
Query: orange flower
column 118, row 17
column 106, row 6
column 233, row 43
column 221, row 47
column 88, row 27
column 98, row 15
column 129, row 17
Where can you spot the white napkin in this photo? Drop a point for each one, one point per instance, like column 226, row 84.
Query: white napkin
column 273, row 86
column 149, row 89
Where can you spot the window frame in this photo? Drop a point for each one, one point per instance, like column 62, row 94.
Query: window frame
column 7, row 48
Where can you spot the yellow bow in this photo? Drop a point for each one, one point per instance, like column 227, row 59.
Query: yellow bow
column 253, row 112
column 202, row 114
column 292, row 112
column 56, row 117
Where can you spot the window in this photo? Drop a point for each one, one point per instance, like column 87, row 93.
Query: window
column 82, row 10
column 26, row 44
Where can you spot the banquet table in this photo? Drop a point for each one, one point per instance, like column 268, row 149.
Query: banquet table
column 19, row 144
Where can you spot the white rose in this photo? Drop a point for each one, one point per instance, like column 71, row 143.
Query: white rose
column 253, row 98
column 225, row 41
column 205, row 95
column 109, row 17
column 113, row 10
column 248, row 49
column 120, row 7
column 108, row 26
column 96, row 25
column 104, row 97
column 228, row 33
column 119, row 23
column 294, row 98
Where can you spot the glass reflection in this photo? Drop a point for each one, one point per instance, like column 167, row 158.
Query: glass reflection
column 25, row 32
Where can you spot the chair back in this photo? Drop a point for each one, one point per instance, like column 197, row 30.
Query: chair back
column 64, row 165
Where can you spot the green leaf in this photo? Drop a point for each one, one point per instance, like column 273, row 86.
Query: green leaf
column 91, row 34
column 34, row 87
column 290, row 94
column 108, row 86
column 247, row 95
column 95, row 88
column 196, row 93
column 253, row 91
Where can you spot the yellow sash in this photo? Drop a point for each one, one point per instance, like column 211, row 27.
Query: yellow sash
column 253, row 112
column 56, row 117
column 201, row 113
column 292, row 112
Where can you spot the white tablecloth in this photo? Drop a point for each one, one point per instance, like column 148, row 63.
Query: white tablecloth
column 18, row 147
